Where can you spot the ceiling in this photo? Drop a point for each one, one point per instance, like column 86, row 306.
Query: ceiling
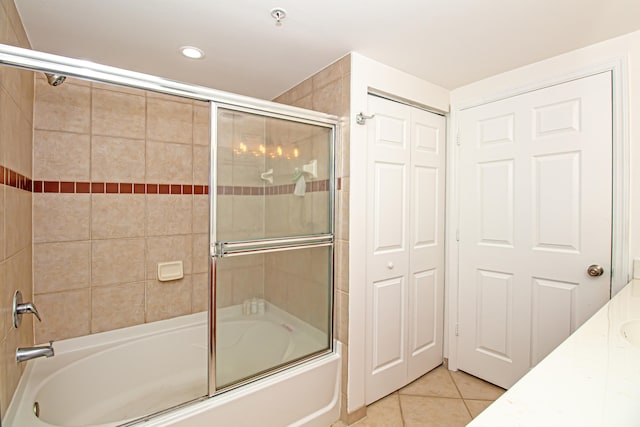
column 447, row 42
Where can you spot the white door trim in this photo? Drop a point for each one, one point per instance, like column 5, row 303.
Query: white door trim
column 620, row 258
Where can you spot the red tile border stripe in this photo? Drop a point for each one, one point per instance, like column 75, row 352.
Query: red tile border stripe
column 19, row 181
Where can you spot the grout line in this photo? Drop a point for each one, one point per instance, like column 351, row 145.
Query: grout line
column 397, row 393
column 460, row 393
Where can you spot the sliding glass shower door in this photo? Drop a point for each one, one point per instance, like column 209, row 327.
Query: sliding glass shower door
column 272, row 243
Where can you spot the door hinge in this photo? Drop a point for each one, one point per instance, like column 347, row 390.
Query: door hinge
column 457, row 330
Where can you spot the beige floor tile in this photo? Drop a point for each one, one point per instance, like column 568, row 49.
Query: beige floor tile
column 474, row 388
column 437, row 383
column 383, row 413
column 433, row 411
column 477, row 406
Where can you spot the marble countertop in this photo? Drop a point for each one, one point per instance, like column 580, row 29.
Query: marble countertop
column 591, row 379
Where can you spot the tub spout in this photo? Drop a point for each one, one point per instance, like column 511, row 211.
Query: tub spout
column 27, row 353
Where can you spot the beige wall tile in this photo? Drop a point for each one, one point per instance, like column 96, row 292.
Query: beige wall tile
column 248, row 217
column 201, row 162
column 223, row 217
column 17, row 215
column 200, row 253
column 117, row 159
column 168, row 214
column 200, row 298
column 169, row 121
column 341, row 328
column 341, row 261
column 169, row 163
column 65, row 107
column 116, row 88
column 65, row 315
column 345, row 64
column 224, row 288
column 117, row 306
column 342, row 216
column 61, row 156
column 16, row 23
column 13, row 371
column 328, row 99
column 304, row 102
column 302, row 89
column 116, row 261
column 5, row 303
column 17, row 277
column 247, row 283
column 2, row 227
column 60, row 217
column 117, row 216
column 6, row 392
column 171, row 98
column 168, row 299
column 117, row 114
column 20, row 85
column 166, row 249
column 15, row 135
column 327, row 75
column 201, row 204
column 61, row 266
column 201, row 124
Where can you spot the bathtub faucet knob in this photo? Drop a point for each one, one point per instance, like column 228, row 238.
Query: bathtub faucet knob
column 20, row 308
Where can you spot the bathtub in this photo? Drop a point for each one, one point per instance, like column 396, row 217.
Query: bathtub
column 96, row 380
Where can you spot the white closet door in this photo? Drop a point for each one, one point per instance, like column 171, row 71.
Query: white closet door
column 389, row 169
column 426, row 243
column 535, row 213
column 404, row 212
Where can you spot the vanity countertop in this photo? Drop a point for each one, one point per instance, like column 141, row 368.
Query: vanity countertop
column 591, row 379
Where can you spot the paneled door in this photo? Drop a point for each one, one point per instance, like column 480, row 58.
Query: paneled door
column 405, row 247
column 535, row 224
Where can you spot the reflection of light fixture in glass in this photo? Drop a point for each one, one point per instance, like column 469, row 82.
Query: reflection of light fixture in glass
column 279, row 150
column 296, row 153
column 262, row 149
column 243, row 147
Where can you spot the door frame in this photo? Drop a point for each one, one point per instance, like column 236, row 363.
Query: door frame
column 620, row 259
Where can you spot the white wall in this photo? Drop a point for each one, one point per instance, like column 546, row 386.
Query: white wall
column 623, row 55
column 368, row 75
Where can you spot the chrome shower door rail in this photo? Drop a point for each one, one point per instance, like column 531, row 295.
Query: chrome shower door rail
column 226, row 249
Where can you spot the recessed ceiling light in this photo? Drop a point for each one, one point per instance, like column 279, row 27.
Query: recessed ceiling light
column 192, row 52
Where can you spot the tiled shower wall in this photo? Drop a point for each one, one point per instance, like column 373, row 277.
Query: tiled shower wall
column 16, row 112
column 120, row 184
column 328, row 91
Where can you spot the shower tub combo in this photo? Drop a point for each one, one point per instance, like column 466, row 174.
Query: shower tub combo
column 264, row 353
column 93, row 381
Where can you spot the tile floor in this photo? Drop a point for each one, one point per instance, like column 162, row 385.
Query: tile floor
column 439, row 398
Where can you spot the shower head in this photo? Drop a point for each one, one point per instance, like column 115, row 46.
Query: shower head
column 55, row 79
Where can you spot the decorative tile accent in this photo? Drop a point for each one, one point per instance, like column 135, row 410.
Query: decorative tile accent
column 19, row 181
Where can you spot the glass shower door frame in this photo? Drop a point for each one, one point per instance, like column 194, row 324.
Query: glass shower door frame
column 223, row 249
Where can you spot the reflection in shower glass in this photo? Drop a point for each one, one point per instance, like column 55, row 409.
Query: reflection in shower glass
column 278, row 174
column 273, row 306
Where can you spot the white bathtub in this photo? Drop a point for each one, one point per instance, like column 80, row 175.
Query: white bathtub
column 112, row 378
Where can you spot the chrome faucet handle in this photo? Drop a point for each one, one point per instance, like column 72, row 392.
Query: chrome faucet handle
column 20, row 308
